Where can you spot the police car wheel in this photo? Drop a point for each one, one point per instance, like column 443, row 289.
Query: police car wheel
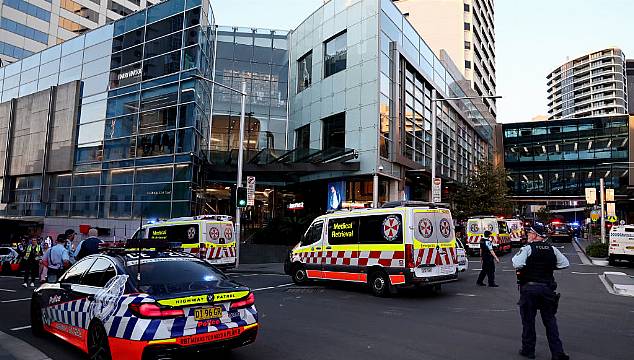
column 98, row 348
column 299, row 275
column 380, row 283
column 37, row 326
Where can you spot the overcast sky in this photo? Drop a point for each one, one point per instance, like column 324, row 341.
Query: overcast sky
column 532, row 39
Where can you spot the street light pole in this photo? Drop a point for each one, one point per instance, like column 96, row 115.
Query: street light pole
column 243, row 96
column 434, row 100
column 602, row 212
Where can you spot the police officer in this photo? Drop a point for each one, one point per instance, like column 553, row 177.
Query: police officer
column 535, row 264
column 31, row 262
column 487, row 257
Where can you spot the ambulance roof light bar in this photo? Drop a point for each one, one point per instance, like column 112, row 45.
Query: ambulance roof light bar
column 411, row 203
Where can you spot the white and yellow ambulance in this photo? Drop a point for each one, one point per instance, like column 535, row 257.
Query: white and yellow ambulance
column 621, row 244
column 516, row 232
column 400, row 244
column 211, row 237
column 476, row 226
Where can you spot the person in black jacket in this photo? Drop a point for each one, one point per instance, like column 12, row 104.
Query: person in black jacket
column 535, row 264
column 88, row 246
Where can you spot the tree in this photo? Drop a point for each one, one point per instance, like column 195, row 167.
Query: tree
column 484, row 193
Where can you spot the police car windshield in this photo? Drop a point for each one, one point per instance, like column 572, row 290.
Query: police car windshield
column 160, row 276
column 5, row 251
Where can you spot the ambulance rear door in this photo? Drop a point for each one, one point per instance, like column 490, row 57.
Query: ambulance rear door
column 622, row 240
column 474, row 232
column 434, row 246
column 220, row 242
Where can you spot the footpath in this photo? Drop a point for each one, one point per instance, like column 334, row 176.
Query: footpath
column 12, row 348
column 266, row 268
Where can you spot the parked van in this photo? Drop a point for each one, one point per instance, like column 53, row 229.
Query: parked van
column 476, row 226
column 516, row 232
column 400, row 244
column 621, row 243
column 209, row 236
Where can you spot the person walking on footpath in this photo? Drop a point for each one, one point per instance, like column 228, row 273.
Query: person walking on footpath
column 58, row 259
column 31, row 261
column 535, row 264
column 488, row 259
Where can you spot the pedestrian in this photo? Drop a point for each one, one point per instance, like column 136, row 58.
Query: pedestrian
column 535, row 264
column 70, row 238
column 44, row 262
column 31, row 261
column 88, row 246
column 487, row 259
column 48, row 241
column 58, row 259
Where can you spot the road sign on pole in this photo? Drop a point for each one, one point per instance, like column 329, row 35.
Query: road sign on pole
column 609, row 194
column 591, row 196
column 250, row 190
column 611, row 210
column 594, row 215
column 436, row 191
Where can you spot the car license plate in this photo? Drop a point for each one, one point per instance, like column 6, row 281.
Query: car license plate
column 426, row 269
column 207, row 313
column 447, row 269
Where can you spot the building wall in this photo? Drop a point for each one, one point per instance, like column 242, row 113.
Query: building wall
column 44, row 23
column 590, row 85
column 463, row 28
column 629, row 70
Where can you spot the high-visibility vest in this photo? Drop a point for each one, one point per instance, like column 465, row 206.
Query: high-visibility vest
column 38, row 250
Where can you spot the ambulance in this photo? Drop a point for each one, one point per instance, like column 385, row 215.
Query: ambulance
column 621, row 244
column 516, row 232
column 210, row 237
column 476, row 226
column 401, row 244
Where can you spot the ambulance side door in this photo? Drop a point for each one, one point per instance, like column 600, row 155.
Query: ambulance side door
column 341, row 249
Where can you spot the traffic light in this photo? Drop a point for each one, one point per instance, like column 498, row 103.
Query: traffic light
column 241, row 197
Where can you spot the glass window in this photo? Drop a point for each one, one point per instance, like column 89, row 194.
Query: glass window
column 335, row 54
column 153, row 192
column 123, row 105
column 70, row 75
column 304, row 71
column 164, row 27
column 156, row 144
column 51, row 53
column 154, row 174
column 73, row 45
column 334, row 131
column 128, row 40
column 157, row 120
column 93, row 111
column 163, row 45
column 165, row 9
column 372, row 229
column 159, row 97
column 313, row 234
column 343, row 231
column 116, row 193
column 161, row 65
column 71, row 60
column 302, row 137
column 119, row 149
column 73, row 275
column 95, row 84
column 99, row 35
column 89, row 133
column 100, row 272
column 128, row 56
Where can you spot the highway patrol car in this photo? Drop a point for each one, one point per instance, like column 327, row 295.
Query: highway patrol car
column 210, row 237
column 476, row 226
column 621, row 244
column 147, row 304
column 403, row 243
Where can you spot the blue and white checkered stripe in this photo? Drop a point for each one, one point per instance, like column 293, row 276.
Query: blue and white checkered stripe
column 74, row 313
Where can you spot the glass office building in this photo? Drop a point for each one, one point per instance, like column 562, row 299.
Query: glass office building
column 120, row 106
column 552, row 162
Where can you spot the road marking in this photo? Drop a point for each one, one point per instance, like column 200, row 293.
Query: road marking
column 607, row 286
column 14, row 300
column 508, row 270
column 467, row 295
column 21, row 328
column 254, row 274
column 10, row 277
column 584, row 259
column 7, row 290
column 584, row 273
column 273, row 287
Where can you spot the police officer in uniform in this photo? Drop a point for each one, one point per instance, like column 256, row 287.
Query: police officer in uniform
column 487, row 257
column 535, row 264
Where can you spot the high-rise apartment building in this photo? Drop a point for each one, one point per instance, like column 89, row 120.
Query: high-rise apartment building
column 629, row 70
column 465, row 30
column 591, row 85
column 30, row 26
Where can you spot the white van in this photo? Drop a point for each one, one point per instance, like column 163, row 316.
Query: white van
column 476, row 226
column 621, row 243
column 400, row 244
column 209, row 236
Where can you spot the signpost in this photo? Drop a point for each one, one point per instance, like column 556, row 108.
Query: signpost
column 594, row 215
column 611, row 210
column 591, row 196
column 250, row 190
column 609, row 194
column 436, row 191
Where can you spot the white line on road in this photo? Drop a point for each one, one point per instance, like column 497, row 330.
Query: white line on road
column 255, row 274
column 21, row 328
column 14, row 300
column 584, row 273
column 7, row 290
column 508, row 270
column 273, row 287
column 467, row 295
column 10, row 277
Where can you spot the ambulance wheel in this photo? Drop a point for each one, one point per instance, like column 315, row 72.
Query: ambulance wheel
column 380, row 283
column 37, row 326
column 98, row 348
column 299, row 275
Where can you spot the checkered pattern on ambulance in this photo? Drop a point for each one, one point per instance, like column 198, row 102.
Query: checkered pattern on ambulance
column 495, row 239
column 122, row 324
column 352, row 258
column 214, row 252
column 434, row 238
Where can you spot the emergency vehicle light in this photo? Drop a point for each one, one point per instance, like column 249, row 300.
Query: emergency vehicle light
column 151, row 310
column 248, row 301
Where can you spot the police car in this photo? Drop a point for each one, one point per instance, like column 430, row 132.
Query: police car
column 145, row 304
column 400, row 244
column 210, row 237
column 9, row 259
column 621, row 244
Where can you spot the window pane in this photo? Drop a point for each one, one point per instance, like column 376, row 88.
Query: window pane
column 334, row 132
column 304, row 71
column 343, row 231
column 335, row 55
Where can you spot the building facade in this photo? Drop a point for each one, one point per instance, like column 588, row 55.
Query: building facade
column 30, row 26
column 629, row 71
column 119, row 125
column 465, row 29
column 552, row 162
column 110, row 126
column 590, row 85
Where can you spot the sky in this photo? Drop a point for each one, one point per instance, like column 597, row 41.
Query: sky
column 533, row 38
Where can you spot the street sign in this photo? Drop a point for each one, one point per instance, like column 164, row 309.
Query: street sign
column 622, row 222
column 613, row 219
column 250, row 190
column 591, row 196
column 609, row 194
column 436, row 191
column 611, row 209
column 594, row 215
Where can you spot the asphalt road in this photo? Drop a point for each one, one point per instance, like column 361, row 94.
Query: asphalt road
column 343, row 321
